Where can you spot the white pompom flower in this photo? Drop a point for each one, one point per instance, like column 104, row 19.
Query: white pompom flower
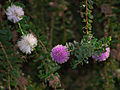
column 14, row 13
column 27, row 43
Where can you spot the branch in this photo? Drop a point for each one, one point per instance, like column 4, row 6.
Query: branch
column 86, row 18
column 39, row 41
column 51, row 30
column 9, row 80
column 6, row 55
column 42, row 16
column 43, row 45
column 64, row 26
column 106, row 76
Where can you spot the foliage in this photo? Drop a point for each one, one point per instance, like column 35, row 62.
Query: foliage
column 86, row 27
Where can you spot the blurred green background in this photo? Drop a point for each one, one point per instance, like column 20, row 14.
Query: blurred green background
column 61, row 21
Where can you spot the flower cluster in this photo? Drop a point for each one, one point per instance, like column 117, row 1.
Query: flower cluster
column 27, row 43
column 102, row 56
column 60, row 54
column 14, row 13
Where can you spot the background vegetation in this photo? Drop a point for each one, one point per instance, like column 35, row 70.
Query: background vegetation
column 57, row 22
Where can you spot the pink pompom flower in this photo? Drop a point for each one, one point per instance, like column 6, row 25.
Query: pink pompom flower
column 102, row 56
column 60, row 54
column 14, row 13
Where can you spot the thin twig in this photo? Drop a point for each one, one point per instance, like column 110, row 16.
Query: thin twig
column 86, row 18
column 106, row 75
column 1, row 13
column 9, row 80
column 51, row 30
column 55, row 88
column 6, row 55
column 64, row 27
column 8, row 63
column 111, row 31
column 45, row 49
column 43, row 45
column 42, row 16
column 39, row 41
